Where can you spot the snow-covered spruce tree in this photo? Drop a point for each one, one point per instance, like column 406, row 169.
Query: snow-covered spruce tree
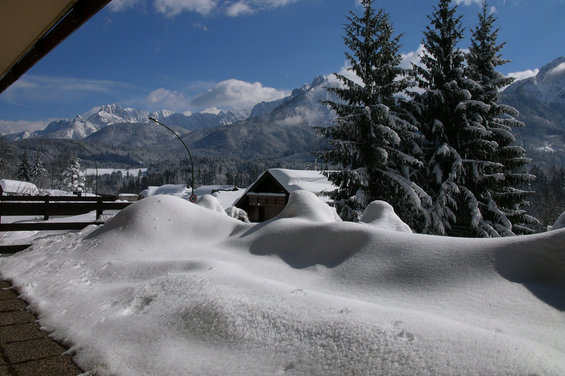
column 372, row 140
column 24, row 168
column 38, row 172
column 501, row 198
column 73, row 177
column 451, row 122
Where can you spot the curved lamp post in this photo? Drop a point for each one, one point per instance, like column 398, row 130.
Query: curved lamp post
column 95, row 164
column 192, row 196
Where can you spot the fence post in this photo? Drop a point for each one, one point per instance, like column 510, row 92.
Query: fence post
column 45, row 215
column 99, row 208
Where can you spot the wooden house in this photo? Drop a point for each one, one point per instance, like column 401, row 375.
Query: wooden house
column 269, row 194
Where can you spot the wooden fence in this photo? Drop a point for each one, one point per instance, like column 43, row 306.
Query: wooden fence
column 48, row 206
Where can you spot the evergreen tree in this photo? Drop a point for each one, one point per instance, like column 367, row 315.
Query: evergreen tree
column 38, row 172
column 24, row 168
column 6, row 157
column 502, row 200
column 457, row 143
column 73, row 177
column 373, row 139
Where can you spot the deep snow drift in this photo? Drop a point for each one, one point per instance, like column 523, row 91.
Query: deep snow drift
column 167, row 287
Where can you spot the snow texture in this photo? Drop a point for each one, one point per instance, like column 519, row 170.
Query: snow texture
column 308, row 180
column 167, row 287
column 559, row 223
column 18, row 187
column 381, row 214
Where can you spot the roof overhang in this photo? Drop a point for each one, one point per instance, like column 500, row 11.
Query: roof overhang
column 29, row 29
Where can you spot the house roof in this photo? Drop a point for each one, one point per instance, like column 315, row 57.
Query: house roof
column 307, row 180
column 293, row 180
column 18, row 187
column 29, row 29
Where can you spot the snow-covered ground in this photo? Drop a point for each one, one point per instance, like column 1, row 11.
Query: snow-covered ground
column 167, row 287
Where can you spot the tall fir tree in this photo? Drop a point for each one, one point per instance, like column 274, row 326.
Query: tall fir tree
column 373, row 140
column 24, row 168
column 451, row 124
column 38, row 172
column 502, row 199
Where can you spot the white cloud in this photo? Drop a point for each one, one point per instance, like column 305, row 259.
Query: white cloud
column 346, row 72
column 120, row 5
column 409, row 58
column 211, row 110
column 524, row 74
column 239, row 8
column 61, row 89
column 303, row 115
column 468, row 2
column 412, row 57
column 200, row 26
column 8, row 126
column 558, row 69
column 172, row 100
column 171, row 8
column 236, row 94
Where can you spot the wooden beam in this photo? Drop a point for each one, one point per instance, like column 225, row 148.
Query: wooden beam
column 81, row 12
column 13, row 248
column 57, row 208
column 46, row 226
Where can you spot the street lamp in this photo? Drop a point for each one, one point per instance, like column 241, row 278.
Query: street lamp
column 192, row 196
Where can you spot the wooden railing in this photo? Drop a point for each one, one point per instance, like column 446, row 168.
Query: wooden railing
column 48, row 206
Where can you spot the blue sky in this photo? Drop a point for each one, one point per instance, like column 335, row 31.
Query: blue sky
column 204, row 55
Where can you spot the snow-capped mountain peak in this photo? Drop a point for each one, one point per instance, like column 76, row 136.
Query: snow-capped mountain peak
column 548, row 85
column 114, row 113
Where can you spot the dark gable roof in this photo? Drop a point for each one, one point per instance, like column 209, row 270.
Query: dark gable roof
column 30, row 29
column 265, row 178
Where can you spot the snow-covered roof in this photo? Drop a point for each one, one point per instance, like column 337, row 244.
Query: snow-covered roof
column 226, row 194
column 179, row 190
column 18, row 187
column 307, row 180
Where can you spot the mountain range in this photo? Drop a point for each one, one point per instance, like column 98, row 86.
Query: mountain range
column 541, row 103
column 271, row 130
column 282, row 129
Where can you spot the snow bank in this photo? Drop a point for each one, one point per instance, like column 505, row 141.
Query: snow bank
column 559, row 223
column 210, row 202
column 306, row 205
column 167, row 287
column 381, row 214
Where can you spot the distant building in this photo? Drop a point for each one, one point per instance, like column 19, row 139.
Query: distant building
column 16, row 187
column 268, row 196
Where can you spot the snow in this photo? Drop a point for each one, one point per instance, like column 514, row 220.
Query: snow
column 545, row 149
column 123, row 171
column 18, row 187
column 167, row 287
column 559, row 223
column 225, row 194
column 308, row 180
column 178, row 190
column 381, row 214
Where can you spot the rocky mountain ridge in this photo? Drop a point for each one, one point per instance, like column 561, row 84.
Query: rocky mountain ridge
column 283, row 128
column 541, row 103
